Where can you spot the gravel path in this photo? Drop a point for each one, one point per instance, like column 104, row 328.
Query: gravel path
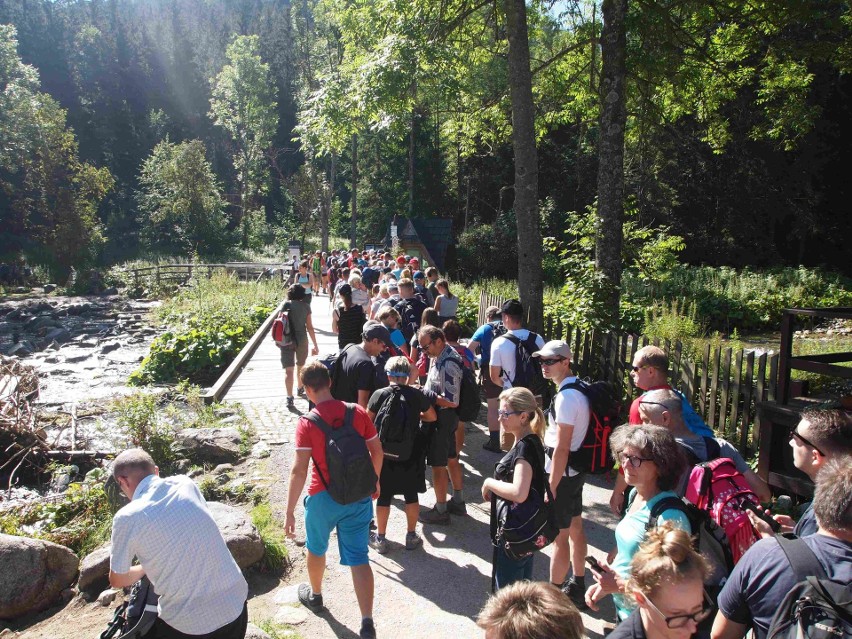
column 434, row 591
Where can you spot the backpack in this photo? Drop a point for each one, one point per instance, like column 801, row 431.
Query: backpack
column 817, row 607
column 527, row 371
column 720, row 490
column 469, row 400
column 397, row 425
column 136, row 616
column 708, row 538
column 282, row 330
column 497, row 328
column 351, row 476
column 408, row 312
column 594, row 456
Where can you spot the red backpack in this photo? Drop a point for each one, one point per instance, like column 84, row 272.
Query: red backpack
column 282, row 331
column 720, row 490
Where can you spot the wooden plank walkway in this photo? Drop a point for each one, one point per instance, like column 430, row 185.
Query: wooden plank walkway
column 262, row 378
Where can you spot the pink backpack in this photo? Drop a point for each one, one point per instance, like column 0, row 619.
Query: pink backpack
column 719, row 489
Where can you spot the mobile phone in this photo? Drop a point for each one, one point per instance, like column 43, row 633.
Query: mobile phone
column 594, row 564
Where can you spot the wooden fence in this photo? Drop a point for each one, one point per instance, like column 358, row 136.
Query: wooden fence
column 177, row 274
column 722, row 385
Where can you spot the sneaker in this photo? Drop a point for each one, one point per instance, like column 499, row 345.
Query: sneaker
column 456, row 507
column 380, row 545
column 309, row 601
column 576, row 592
column 368, row 629
column 434, row 517
column 301, row 392
column 412, row 541
column 291, row 402
column 492, row 446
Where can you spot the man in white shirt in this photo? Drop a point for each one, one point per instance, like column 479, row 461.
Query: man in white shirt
column 169, row 529
column 567, row 423
column 503, row 355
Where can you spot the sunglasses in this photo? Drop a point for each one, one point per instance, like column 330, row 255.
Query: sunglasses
column 425, row 344
column 505, row 414
column 795, row 434
column 551, row 362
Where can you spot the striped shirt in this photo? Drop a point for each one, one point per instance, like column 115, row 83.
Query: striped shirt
column 168, row 527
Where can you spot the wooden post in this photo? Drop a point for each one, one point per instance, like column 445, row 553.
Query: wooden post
column 784, row 362
column 726, row 384
column 704, row 376
column 748, row 409
column 675, row 357
column 714, row 387
column 735, row 400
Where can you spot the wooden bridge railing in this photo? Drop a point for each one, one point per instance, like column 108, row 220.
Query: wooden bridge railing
column 176, row 274
column 723, row 385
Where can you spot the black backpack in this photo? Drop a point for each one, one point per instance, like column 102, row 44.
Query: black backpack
column 410, row 311
column 351, row 476
column 528, row 371
column 397, row 424
column 817, row 607
column 594, row 455
column 469, row 399
column 136, row 616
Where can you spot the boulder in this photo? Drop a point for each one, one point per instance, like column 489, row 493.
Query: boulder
column 109, row 291
column 242, row 537
column 21, row 349
column 58, row 334
column 253, row 632
column 214, row 445
column 94, row 571
column 49, row 288
column 109, row 347
column 35, row 573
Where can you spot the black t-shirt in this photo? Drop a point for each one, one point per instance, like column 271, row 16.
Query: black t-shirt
column 413, row 396
column 354, row 372
column 530, row 449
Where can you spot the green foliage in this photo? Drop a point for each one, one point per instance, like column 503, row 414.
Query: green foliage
column 180, row 199
column 489, row 250
column 139, row 417
column 277, row 630
column 243, row 103
column 271, row 532
column 52, row 197
column 80, row 518
column 208, row 324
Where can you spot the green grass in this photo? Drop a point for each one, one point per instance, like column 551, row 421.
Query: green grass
column 271, row 532
column 278, row 631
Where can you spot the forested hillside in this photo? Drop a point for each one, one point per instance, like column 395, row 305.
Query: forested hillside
column 138, row 127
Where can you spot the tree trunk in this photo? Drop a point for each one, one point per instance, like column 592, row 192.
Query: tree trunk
column 611, row 152
column 353, row 231
column 411, row 150
column 530, row 282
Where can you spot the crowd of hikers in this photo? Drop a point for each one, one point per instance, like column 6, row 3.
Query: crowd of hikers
column 700, row 549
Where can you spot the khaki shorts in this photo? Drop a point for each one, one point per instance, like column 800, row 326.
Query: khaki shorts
column 295, row 356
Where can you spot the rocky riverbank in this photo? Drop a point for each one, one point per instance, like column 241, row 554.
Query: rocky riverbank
column 83, row 347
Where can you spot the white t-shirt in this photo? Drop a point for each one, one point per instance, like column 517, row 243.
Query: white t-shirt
column 571, row 407
column 503, row 353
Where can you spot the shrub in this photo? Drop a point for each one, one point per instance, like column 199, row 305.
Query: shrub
column 269, row 529
column 138, row 417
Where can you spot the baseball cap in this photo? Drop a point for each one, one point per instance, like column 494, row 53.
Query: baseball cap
column 400, row 260
column 414, row 261
column 418, row 275
column 513, row 308
column 377, row 330
column 554, row 348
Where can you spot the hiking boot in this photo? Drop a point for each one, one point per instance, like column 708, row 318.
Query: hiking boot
column 576, row 592
column 434, row 517
column 379, row 544
column 456, row 507
column 492, row 446
column 368, row 629
column 412, row 541
column 309, row 601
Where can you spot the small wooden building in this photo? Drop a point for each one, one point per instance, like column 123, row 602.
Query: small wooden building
column 425, row 238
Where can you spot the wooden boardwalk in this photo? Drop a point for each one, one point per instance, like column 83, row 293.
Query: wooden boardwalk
column 262, row 378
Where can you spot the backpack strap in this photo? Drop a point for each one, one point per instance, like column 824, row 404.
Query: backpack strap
column 577, row 384
column 327, row 430
column 801, row 558
column 666, row 503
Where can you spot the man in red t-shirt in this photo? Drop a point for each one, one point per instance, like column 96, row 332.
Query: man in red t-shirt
column 322, row 513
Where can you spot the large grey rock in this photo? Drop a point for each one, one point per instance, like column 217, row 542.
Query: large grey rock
column 58, row 334
column 242, row 537
column 214, row 445
column 35, row 573
column 94, row 571
column 253, row 632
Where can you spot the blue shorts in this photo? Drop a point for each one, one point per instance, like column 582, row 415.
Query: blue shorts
column 323, row 514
